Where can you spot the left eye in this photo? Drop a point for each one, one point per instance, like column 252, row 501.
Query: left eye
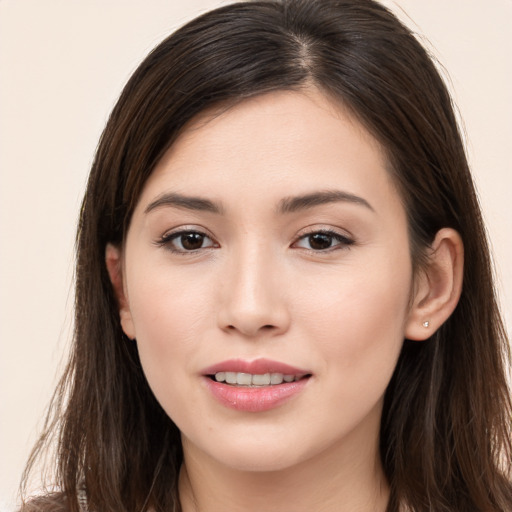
column 323, row 241
column 186, row 241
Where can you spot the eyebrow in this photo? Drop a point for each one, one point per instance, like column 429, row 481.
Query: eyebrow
column 187, row 202
column 286, row 205
column 297, row 203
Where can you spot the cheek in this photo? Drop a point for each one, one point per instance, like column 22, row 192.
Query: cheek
column 360, row 322
column 167, row 304
column 360, row 343
column 166, row 327
column 169, row 314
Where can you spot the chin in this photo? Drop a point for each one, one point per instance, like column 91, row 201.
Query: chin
column 259, row 461
column 248, row 454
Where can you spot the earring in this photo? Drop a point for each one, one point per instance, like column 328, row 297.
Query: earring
column 426, row 324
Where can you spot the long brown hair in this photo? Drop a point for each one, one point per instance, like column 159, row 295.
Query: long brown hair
column 445, row 434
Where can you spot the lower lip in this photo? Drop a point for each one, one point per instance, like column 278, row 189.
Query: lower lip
column 254, row 399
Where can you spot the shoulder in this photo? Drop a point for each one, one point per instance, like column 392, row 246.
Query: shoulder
column 55, row 502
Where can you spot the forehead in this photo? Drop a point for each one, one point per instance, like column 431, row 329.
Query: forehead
column 274, row 121
column 283, row 141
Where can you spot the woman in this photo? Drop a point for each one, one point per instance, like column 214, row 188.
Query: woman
column 284, row 297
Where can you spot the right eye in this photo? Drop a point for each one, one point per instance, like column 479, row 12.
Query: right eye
column 186, row 241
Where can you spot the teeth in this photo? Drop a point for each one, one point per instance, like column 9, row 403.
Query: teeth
column 248, row 379
column 244, row 379
column 261, row 380
column 277, row 378
column 231, row 377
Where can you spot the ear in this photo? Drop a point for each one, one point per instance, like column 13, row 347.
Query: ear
column 437, row 286
column 113, row 260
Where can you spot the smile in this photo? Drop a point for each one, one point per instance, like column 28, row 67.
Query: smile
column 255, row 386
column 254, row 380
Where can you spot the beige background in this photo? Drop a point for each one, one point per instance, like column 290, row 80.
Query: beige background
column 62, row 65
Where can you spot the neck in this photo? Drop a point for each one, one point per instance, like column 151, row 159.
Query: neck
column 340, row 480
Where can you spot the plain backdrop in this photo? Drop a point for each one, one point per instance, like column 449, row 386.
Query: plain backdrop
column 62, row 66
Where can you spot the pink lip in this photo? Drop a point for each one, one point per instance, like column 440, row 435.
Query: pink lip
column 256, row 367
column 254, row 399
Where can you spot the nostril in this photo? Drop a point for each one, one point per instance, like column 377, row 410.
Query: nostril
column 267, row 327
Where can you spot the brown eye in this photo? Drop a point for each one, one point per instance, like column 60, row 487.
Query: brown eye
column 320, row 241
column 187, row 241
column 323, row 241
column 191, row 241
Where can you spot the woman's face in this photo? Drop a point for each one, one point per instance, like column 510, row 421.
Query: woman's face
column 270, row 244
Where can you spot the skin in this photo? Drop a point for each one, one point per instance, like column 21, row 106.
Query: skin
column 258, row 286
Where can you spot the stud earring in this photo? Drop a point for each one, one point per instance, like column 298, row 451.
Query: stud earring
column 426, row 324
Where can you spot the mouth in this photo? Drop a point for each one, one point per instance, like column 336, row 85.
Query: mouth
column 256, row 380
column 255, row 386
column 257, row 373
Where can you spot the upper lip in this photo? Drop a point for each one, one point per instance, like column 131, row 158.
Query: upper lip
column 255, row 367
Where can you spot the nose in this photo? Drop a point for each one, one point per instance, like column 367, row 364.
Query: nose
column 253, row 297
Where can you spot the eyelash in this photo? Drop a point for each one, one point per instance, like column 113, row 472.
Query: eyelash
column 168, row 239
column 343, row 242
